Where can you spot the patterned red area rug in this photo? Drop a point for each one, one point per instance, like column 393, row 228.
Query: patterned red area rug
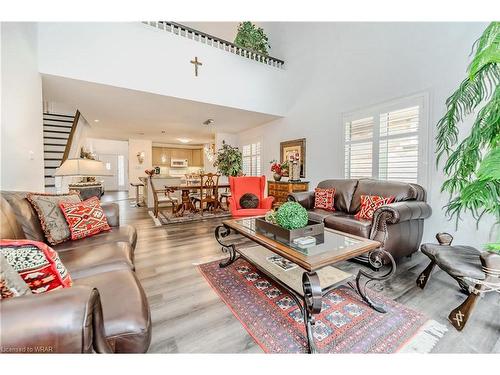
column 345, row 325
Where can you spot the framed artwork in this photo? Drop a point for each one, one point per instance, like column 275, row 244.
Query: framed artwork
column 294, row 149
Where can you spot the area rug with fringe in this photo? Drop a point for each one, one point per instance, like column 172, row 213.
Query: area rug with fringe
column 166, row 217
column 344, row 325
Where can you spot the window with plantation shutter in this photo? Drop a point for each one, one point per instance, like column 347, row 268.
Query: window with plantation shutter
column 251, row 159
column 358, row 148
column 384, row 142
column 398, row 158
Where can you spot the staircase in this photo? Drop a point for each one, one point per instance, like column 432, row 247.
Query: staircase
column 57, row 136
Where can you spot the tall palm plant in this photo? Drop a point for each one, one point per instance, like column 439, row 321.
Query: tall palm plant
column 473, row 166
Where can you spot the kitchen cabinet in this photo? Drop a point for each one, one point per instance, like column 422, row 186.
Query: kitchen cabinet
column 163, row 155
column 197, row 158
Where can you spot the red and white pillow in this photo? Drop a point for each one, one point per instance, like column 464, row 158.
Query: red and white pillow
column 324, row 199
column 37, row 264
column 84, row 218
column 369, row 204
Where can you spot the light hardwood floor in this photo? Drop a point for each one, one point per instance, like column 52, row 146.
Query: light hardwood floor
column 189, row 317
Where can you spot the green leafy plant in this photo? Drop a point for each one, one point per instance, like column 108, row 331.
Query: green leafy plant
column 472, row 167
column 229, row 160
column 291, row 215
column 252, row 37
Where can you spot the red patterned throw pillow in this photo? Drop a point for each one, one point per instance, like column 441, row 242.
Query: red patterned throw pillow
column 369, row 204
column 84, row 218
column 324, row 198
column 37, row 264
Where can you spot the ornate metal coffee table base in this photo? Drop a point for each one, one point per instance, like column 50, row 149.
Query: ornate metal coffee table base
column 311, row 302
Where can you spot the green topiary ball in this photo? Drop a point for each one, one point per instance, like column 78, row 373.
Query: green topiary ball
column 291, row 215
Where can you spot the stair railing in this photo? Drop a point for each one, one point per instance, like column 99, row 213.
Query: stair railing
column 67, row 149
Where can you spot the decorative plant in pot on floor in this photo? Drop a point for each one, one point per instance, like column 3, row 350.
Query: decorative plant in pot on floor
column 229, row 161
column 472, row 166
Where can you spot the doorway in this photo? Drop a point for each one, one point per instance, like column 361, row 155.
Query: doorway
column 117, row 166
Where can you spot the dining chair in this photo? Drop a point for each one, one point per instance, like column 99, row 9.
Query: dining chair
column 162, row 196
column 208, row 192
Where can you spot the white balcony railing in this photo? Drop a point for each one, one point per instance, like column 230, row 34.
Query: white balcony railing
column 199, row 36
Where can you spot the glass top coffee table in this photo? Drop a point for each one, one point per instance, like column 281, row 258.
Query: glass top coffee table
column 306, row 271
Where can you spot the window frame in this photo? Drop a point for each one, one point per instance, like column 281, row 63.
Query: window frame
column 375, row 111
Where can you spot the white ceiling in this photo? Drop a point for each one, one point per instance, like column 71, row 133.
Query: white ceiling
column 124, row 113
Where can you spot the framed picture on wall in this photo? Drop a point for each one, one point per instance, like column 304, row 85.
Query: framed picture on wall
column 296, row 147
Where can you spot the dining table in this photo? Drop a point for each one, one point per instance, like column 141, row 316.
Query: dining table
column 186, row 204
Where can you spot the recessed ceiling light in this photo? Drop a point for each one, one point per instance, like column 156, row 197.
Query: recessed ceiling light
column 96, row 120
column 163, row 132
column 183, row 140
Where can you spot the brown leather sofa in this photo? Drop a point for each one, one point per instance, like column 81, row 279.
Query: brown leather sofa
column 399, row 225
column 71, row 320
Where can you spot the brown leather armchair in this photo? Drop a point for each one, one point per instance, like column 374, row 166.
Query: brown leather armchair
column 106, row 310
column 398, row 226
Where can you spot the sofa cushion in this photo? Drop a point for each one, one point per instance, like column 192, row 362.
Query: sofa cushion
column 349, row 224
column 11, row 284
column 318, row 214
column 127, row 321
column 52, row 219
column 84, row 218
column 344, row 190
column 401, row 191
column 37, row 264
column 123, row 233
column 249, row 200
column 324, row 198
column 25, row 214
column 85, row 261
column 370, row 204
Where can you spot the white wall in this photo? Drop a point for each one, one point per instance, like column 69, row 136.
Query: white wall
column 140, row 57
column 21, row 97
column 136, row 170
column 337, row 68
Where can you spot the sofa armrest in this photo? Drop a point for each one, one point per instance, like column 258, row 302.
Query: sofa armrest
column 305, row 198
column 112, row 212
column 66, row 320
column 267, row 203
column 394, row 213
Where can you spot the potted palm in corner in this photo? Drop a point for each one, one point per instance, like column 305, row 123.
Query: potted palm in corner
column 472, row 167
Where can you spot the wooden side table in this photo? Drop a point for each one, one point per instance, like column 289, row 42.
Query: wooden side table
column 280, row 190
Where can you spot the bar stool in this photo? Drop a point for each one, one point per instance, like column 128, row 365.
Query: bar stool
column 137, row 185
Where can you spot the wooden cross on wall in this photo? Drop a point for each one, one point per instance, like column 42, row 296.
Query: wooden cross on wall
column 196, row 64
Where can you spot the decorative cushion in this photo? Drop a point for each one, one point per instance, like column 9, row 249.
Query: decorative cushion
column 37, row 264
column 369, row 204
column 51, row 218
column 85, row 218
column 324, row 199
column 249, row 200
column 11, row 284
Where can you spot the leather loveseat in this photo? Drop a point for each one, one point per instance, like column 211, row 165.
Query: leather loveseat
column 71, row 320
column 398, row 226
